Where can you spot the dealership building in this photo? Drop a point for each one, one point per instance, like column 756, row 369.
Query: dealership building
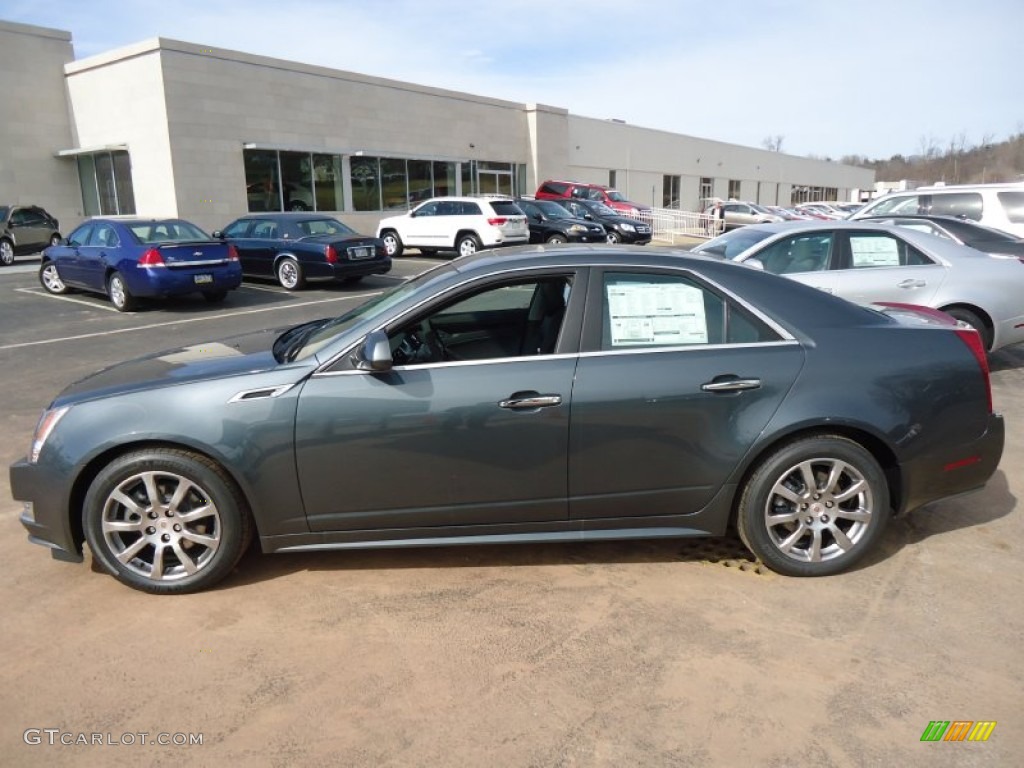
column 168, row 128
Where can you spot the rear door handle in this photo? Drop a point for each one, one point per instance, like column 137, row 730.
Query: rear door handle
column 530, row 402
column 731, row 385
column 911, row 283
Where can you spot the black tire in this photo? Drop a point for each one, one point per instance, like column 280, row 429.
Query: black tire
column 392, row 243
column 289, row 274
column 556, row 239
column 966, row 316
column 6, row 252
column 841, row 529
column 215, row 297
column 50, row 279
column 160, row 547
column 614, row 237
column 467, row 245
column 120, row 296
column 297, row 205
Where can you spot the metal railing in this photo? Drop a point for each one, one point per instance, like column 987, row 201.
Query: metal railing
column 672, row 226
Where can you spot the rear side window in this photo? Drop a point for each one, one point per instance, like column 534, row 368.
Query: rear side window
column 554, row 188
column 470, row 209
column 876, row 249
column 966, row 204
column 506, row 208
column 1013, row 204
column 651, row 310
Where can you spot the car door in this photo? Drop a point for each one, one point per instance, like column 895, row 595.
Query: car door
column 251, row 250
column 880, row 266
column 96, row 255
column 425, row 224
column 33, row 229
column 807, row 257
column 69, row 258
column 446, row 442
column 675, row 382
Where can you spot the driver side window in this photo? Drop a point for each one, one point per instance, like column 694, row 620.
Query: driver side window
column 512, row 319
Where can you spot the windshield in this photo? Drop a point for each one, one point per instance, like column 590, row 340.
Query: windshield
column 759, row 208
column 167, row 231
column 600, row 208
column 616, row 196
column 732, row 244
column 313, row 227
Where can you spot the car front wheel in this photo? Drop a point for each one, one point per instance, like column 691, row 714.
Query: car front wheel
column 119, row 294
column 614, row 237
column 50, row 279
column 289, row 274
column 814, row 507
column 6, row 253
column 557, row 239
column 166, row 521
column 392, row 243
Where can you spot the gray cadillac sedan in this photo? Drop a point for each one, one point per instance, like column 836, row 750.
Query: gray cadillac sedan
column 575, row 394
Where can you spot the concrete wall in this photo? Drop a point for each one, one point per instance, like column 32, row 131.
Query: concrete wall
column 35, row 123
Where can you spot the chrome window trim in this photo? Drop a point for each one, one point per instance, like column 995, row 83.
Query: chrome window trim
column 689, row 348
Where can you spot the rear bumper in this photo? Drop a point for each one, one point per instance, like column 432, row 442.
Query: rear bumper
column 955, row 470
column 343, row 269
column 45, row 515
column 154, row 283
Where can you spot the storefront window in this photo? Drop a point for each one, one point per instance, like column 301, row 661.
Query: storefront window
column 261, row 180
column 366, row 183
column 106, row 182
column 328, row 183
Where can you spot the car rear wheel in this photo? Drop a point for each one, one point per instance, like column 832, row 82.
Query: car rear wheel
column 215, row 297
column 966, row 316
column 166, row 521
column 289, row 274
column 6, row 253
column 392, row 243
column 119, row 294
column 814, row 507
column 614, row 237
column 557, row 239
column 468, row 245
column 50, row 279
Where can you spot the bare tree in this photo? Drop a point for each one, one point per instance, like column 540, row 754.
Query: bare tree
column 773, row 143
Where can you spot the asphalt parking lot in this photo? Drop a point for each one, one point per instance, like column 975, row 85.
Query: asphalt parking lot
column 616, row 654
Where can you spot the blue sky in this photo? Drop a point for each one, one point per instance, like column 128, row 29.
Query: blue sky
column 832, row 77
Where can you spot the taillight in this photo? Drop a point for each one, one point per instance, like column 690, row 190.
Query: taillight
column 496, row 222
column 330, row 253
column 972, row 339
column 232, row 253
column 151, row 258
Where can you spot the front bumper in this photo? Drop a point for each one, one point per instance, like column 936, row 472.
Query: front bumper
column 46, row 510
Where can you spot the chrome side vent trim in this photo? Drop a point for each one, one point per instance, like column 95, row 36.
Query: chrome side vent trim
column 263, row 393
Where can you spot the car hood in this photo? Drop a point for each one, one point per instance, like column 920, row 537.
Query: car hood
column 234, row 356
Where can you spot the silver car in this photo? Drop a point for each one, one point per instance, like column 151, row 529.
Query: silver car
column 869, row 263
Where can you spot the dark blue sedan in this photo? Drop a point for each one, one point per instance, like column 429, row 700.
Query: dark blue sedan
column 129, row 259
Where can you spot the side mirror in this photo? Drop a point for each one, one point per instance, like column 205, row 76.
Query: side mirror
column 754, row 264
column 218, row 235
column 375, row 354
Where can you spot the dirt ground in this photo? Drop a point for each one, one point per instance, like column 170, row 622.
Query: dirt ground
column 624, row 654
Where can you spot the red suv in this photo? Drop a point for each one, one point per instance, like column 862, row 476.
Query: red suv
column 563, row 190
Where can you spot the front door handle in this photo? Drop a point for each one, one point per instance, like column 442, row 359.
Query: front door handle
column 530, row 402
column 731, row 385
column 911, row 283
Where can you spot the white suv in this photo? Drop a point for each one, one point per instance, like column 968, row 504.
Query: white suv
column 1000, row 206
column 463, row 224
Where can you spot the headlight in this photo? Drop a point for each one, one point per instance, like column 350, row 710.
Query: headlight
column 577, row 228
column 628, row 227
column 45, row 426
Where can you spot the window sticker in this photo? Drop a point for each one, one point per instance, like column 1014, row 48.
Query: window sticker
column 645, row 314
column 874, row 252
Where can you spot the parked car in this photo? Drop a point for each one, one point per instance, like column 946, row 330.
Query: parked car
column 569, row 394
column 740, row 214
column 962, row 231
column 462, row 224
column 619, row 228
column 25, row 229
column 568, row 190
column 129, row 259
column 1000, row 206
column 551, row 223
column 296, row 247
column 822, row 210
column 867, row 262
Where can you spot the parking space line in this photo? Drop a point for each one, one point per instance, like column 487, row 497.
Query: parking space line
column 267, row 288
column 218, row 316
column 41, row 292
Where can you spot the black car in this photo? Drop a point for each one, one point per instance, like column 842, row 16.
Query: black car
column 551, row 223
column 620, row 229
column 25, row 229
column 522, row 395
column 962, row 231
column 296, row 247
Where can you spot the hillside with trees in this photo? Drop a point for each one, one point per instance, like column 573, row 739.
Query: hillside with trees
column 954, row 162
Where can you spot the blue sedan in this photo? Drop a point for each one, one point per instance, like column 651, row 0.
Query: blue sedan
column 129, row 259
